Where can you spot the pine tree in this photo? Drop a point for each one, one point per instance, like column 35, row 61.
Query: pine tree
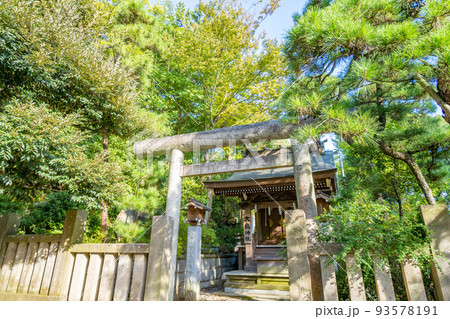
column 355, row 66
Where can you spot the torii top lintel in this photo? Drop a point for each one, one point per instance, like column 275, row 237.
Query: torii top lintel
column 223, row 137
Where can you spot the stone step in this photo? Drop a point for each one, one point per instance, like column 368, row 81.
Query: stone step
column 257, row 295
column 267, row 252
column 270, row 258
column 253, row 284
column 252, row 274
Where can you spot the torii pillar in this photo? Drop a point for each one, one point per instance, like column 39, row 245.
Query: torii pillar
column 306, row 200
column 173, row 207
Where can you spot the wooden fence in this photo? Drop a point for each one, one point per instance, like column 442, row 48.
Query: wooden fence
column 60, row 267
column 437, row 219
column 411, row 275
column 28, row 265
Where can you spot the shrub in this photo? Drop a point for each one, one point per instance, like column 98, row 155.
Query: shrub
column 373, row 229
column 9, row 207
column 131, row 232
column 48, row 217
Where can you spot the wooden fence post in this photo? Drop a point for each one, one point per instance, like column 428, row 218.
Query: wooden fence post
column 73, row 233
column 329, row 283
column 436, row 218
column 9, row 223
column 159, row 257
column 297, row 256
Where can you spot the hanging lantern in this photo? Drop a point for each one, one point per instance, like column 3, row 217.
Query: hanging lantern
column 279, row 210
column 268, row 211
column 196, row 212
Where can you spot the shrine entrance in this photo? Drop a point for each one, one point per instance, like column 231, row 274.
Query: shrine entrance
column 271, row 228
column 266, row 195
column 268, row 182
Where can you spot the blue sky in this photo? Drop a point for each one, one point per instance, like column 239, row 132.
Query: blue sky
column 275, row 25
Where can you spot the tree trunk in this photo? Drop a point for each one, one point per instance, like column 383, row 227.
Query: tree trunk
column 411, row 162
column 415, row 169
column 106, row 146
column 104, row 214
column 396, row 191
column 405, row 157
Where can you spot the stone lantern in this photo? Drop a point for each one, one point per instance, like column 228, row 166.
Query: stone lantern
column 196, row 212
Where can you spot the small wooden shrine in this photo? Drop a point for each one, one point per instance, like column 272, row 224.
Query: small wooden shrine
column 270, row 192
column 267, row 195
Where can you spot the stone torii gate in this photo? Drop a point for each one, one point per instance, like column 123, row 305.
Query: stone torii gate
column 164, row 238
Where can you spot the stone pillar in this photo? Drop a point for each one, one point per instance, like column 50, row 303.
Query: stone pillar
column 412, row 277
column 383, row 280
column 306, row 201
column 159, row 259
column 193, row 263
column 73, row 233
column 248, row 238
column 438, row 221
column 9, row 223
column 297, row 256
column 173, row 206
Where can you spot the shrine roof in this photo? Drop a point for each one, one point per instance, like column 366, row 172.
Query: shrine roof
column 319, row 162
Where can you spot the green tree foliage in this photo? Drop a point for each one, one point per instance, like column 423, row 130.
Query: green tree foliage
column 60, row 94
column 367, row 226
column 354, row 70
column 137, row 42
column 215, row 71
column 48, row 217
column 375, row 230
column 372, row 175
column 186, row 61
column 36, row 145
column 43, row 151
column 392, row 41
column 69, row 68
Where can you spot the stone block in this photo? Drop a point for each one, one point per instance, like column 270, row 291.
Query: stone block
column 438, row 221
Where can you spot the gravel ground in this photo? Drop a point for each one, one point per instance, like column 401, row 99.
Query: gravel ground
column 208, row 294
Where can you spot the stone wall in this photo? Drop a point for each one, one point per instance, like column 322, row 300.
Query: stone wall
column 213, row 267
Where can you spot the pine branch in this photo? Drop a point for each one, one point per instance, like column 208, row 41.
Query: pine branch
column 434, row 95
